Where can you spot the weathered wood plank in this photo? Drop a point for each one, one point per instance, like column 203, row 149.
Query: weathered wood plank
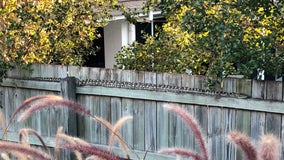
column 105, row 114
column 228, row 125
column 116, row 102
column 273, row 90
column 116, row 75
column 273, row 124
column 105, row 74
column 116, row 106
column 81, row 73
column 150, row 116
column 175, row 122
column 244, row 86
column 127, row 129
column 199, row 99
column 199, row 82
column 258, row 89
column 94, row 73
column 30, row 84
column 187, row 136
column 214, row 133
column 95, row 126
column 257, row 125
column 201, row 114
column 68, row 91
column 138, row 125
column 175, row 132
column 162, row 116
column 150, row 125
column 187, row 81
column 242, row 125
column 230, row 85
column 84, row 123
column 162, row 127
column 282, row 139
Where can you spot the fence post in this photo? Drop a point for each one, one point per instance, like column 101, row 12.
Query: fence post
column 68, row 91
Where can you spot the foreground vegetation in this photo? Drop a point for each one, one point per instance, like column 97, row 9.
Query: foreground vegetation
column 268, row 148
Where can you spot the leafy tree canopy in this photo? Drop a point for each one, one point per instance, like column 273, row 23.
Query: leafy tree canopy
column 51, row 31
column 216, row 38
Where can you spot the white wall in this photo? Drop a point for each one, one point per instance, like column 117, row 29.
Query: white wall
column 117, row 34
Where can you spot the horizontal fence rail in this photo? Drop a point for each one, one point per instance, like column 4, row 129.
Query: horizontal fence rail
column 251, row 106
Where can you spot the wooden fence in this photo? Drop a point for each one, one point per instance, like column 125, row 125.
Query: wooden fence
column 257, row 109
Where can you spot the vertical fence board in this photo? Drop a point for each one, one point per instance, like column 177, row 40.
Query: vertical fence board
column 199, row 82
column 81, row 119
column 115, row 112
column 187, row 81
column 244, row 86
column 81, row 73
column 214, row 133
column 282, row 139
column 150, row 125
column 175, row 133
column 273, row 124
column 138, row 125
column 162, row 116
column 127, row 129
column 229, row 122
column 258, row 89
column 273, row 90
column 201, row 114
column 95, row 126
column 36, row 123
column 150, row 78
column 138, row 117
column 127, row 107
column 105, row 74
column 230, row 85
column 85, row 122
column 105, row 114
column 61, row 71
column 116, row 102
column 150, row 116
column 94, row 73
column 162, row 126
column 115, row 74
column 68, row 91
column 257, row 125
column 188, row 138
column 242, row 125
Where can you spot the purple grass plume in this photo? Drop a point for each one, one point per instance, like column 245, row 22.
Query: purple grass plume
column 48, row 102
column 244, row 143
column 115, row 132
column 181, row 151
column 88, row 150
column 194, row 126
column 16, row 147
column 26, row 131
column 35, row 99
column 269, row 148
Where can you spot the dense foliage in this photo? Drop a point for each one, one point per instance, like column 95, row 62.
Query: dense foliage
column 50, row 31
column 216, row 38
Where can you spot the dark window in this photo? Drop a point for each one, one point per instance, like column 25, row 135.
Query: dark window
column 97, row 60
column 144, row 28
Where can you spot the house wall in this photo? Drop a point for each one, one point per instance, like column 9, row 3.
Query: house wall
column 117, row 34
